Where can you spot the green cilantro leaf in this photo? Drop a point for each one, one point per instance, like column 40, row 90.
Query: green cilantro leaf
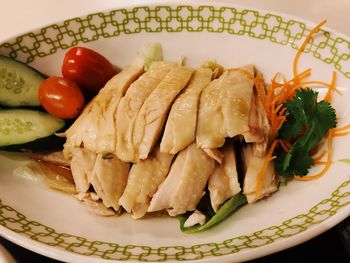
column 303, row 112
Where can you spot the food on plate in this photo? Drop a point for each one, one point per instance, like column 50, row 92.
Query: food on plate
column 197, row 143
column 252, row 166
column 19, row 83
column 28, row 129
column 109, row 178
column 224, row 107
column 184, row 186
column 180, row 127
column 54, row 176
column 311, row 118
column 61, row 97
column 95, row 128
column 223, row 182
column 153, row 113
column 82, row 164
column 89, row 69
column 144, row 180
column 130, row 105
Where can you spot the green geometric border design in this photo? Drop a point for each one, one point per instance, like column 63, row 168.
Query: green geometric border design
column 166, row 18
column 18, row 223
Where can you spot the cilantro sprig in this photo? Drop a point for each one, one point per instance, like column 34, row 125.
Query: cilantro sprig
column 307, row 123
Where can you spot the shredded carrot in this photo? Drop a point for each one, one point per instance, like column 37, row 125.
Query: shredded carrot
column 319, row 157
column 331, row 88
column 317, row 160
column 341, row 134
column 279, row 92
column 303, row 45
column 346, row 127
column 285, row 145
column 320, row 162
column 268, row 158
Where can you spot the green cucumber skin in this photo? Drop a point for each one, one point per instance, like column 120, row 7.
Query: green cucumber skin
column 19, row 83
column 50, row 143
column 16, row 136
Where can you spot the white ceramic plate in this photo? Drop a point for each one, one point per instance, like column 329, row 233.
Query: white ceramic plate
column 56, row 225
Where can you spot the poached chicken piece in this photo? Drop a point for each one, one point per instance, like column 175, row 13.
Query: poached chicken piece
column 184, row 186
column 131, row 104
column 95, row 128
column 180, row 129
column 109, row 178
column 223, row 183
column 81, row 165
column 224, row 107
column 155, row 140
column 144, row 179
column 259, row 127
column 253, row 165
column 153, row 113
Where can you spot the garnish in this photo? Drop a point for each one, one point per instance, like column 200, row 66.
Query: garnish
column 308, row 121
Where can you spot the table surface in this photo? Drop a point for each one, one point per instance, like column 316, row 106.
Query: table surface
column 21, row 15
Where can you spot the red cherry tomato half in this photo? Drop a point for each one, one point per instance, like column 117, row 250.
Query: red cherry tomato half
column 61, row 97
column 89, row 69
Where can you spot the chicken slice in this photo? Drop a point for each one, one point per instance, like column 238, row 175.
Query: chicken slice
column 94, row 205
column 184, row 186
column 153, row 113
column 95, row 127
column 109, row 178
column 197, row 217
column 253, row 166
column 210, row 132
column 237, row 94
column 259, row 127
column 131, row 103
column 224, row 107
column 144, row 179
column 180, row 127
column 223, row 183
column 215, row 154
column 81, row 166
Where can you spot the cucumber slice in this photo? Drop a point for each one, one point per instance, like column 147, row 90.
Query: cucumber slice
column 19, row 83
column 20, row 126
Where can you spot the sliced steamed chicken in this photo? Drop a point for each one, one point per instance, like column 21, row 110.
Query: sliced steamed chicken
column 259, row 127
column 180, row 128
column 144, row 179
column 109, row 177
column 95, row 127
column 153, row 113
column 82, row 164
column 94, row 204
column 253, row 166
column 185, row 183
column 224, row 107
column 131, row 103
column 216, row 154
column 223, row 183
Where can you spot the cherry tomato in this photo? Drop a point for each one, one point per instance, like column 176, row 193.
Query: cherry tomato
column 61, row 97
column 89, row 69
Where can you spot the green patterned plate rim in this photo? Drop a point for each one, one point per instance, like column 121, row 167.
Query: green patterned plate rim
column 329, row 48
column 333, row 50
column 17, row 222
